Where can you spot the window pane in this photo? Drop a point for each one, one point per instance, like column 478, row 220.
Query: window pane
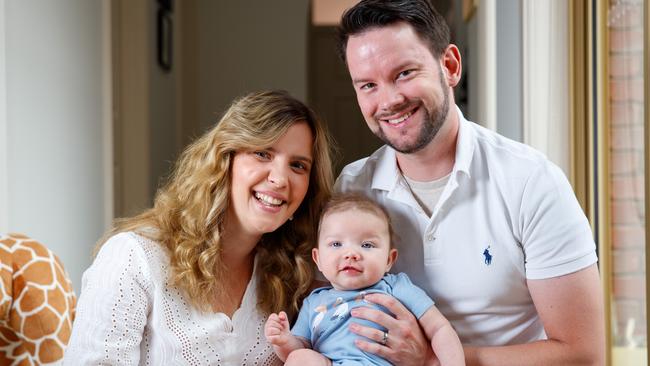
column 626, row 180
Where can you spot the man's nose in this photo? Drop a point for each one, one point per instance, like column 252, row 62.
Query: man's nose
column 391, row 99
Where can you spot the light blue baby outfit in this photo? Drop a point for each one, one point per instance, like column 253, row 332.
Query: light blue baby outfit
column 325, row 317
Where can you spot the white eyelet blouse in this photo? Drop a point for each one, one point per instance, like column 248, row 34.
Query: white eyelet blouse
column 128, row 314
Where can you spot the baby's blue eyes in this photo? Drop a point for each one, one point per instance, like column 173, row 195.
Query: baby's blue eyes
column 365, row 244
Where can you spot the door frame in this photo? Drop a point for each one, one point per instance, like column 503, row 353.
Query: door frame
column 131, row 121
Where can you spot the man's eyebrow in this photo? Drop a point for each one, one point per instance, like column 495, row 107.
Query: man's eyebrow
column 359, row 81
column 410, row 64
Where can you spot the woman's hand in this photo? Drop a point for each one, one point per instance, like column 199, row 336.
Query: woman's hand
column 405, row 343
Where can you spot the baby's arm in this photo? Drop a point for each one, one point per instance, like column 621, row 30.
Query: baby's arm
column 277, row 332
column 444, row 339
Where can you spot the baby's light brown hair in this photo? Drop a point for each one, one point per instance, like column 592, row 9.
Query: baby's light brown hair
column 347, row 201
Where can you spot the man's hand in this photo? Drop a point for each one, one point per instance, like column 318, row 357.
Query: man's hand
column 406, row 343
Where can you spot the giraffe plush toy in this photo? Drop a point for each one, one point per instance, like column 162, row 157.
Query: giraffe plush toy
column 37, row 303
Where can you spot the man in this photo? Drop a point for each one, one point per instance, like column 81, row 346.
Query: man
column 487, row 226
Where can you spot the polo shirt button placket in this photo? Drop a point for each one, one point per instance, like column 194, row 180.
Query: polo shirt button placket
column 431, row 235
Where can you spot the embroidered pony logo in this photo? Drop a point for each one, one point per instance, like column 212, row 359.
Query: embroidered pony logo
column 487, row 255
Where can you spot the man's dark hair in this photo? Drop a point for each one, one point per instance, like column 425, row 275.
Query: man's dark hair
column 429, row 25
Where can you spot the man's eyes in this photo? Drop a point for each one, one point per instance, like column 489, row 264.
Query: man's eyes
column 404, row 73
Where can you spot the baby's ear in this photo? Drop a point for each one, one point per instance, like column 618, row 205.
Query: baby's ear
column 314, row 257
column 392, row 257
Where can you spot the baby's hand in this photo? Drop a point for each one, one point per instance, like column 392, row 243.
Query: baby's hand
column 277, row 329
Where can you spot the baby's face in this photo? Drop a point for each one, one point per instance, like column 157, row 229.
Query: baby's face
column 353, row 249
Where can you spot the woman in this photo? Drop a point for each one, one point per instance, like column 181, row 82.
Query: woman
column 228, row 241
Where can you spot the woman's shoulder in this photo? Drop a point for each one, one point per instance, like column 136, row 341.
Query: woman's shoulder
column 130, row 240
column 128, row 258
column 130, row 246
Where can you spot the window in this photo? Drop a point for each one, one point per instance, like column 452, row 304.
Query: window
column 624, row 82
column 610, row 158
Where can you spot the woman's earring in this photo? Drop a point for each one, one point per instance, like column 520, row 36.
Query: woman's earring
column 291, row 218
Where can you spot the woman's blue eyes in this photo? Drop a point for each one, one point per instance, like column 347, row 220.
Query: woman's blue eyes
column 262, row 154
column 299, row 166
column 265, row 155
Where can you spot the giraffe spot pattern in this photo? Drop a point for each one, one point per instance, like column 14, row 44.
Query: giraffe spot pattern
column 37, row 303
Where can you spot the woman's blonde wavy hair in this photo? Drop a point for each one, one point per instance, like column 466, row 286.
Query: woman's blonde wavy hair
column 188, row 212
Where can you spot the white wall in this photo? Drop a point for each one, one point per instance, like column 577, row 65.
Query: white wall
column 57, row 113
column 4, row 193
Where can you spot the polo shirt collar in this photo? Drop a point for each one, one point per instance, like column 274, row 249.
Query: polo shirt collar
column 387, row 174
column 464, row 145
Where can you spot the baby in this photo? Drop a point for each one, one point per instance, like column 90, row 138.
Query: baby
column 355, row 253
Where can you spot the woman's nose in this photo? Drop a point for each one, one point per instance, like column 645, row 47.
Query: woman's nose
column 278, row 176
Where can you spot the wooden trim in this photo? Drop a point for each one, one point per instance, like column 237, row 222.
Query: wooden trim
column 579, row 93
column 469, row 9
column 590, row 166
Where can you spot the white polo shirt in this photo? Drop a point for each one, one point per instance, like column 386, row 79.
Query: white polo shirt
column 507, row 214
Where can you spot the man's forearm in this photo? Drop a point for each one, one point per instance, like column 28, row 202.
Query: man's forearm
column 540, row 353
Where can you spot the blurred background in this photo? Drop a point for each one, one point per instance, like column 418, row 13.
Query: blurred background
column 98, row 97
